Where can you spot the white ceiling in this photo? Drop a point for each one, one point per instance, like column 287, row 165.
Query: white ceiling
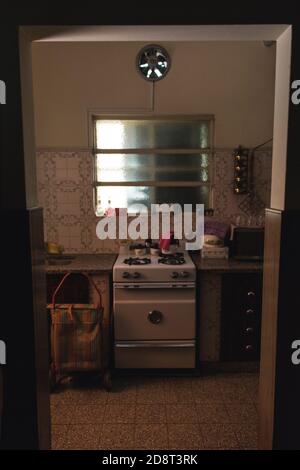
column 158, row 33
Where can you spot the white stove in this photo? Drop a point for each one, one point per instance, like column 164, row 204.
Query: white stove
column 165, row 268
column 154, row 311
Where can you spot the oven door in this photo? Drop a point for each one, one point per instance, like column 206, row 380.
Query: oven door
column 153, row 311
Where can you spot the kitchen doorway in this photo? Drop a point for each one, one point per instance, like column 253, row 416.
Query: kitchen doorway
column 281, row 34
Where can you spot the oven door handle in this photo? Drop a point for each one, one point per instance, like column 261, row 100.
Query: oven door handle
column 155, row 285
column 156, row 344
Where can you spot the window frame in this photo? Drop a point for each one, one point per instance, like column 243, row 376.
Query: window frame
column 173, row 117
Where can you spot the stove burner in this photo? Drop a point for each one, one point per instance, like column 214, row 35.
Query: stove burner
column 137, row 261
column 172, row 259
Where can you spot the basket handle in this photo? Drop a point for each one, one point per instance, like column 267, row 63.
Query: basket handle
column 63, row 281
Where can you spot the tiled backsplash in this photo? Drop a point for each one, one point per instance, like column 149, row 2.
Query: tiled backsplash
column 65, row 193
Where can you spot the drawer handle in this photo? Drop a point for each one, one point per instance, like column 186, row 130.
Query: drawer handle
column 249, row 348
column 251, row 293
column 249, row 311
column 249, row 330
column 155, row 316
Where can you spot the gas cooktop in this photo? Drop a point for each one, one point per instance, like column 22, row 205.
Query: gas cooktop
column 150, row 268
column 172, row 259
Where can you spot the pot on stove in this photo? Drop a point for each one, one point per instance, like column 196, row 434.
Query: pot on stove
column 139, row 249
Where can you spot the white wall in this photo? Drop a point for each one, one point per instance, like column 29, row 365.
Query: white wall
column 232, row 80
column 282, row 84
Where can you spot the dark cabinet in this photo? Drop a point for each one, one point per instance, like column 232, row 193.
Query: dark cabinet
column 74, row 291
column 241, row 316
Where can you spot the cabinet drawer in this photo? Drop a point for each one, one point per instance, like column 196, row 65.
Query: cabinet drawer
column 241, row 317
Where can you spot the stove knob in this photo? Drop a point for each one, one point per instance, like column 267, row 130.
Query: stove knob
column 184, row 274
column 136, row 275
column 174, row 275
column 126, row 275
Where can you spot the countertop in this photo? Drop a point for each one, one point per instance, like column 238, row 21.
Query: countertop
column 103, row 263
column 226, row 265
column 93, row 263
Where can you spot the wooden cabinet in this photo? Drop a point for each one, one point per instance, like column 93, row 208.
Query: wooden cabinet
column 241, row 316
column 75, row 289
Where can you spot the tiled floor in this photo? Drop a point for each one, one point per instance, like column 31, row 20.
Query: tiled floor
column 212, row 412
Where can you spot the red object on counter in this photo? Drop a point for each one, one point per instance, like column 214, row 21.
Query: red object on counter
column 165, row 241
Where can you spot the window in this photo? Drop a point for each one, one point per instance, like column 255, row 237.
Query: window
column 151, row 161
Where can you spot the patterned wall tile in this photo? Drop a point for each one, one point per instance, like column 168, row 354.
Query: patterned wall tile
column 65, row 192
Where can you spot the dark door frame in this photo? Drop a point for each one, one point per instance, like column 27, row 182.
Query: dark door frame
column 281, row 411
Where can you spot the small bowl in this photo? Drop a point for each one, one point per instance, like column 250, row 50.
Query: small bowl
column 140, row 251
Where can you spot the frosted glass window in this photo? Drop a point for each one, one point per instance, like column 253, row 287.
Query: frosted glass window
column 152, row 161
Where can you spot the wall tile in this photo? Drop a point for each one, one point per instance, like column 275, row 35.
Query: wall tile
column 65, row 192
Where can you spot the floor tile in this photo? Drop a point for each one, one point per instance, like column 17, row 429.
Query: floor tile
column 83, row 437
column 124, row 390
column 117, row 436
column 151, row 395
column 151, row 383
column 205, row 384
column 151, row 436
column 181, row 414
column 216, row 411
column 119, row 413
column 185, row 436
column 79, row 396
column 252, row 387
column 206, row 389
column 201, row 396
column 247, row 435
column 250, row 380
column 180, row 395
column 154, row 413
column 242, row 413
column 219, row 436
column 123, row 384
column 61, row 413
column 212, row 413
column 182, row 383
column 59, row 436
column 232, row 393
column 91, row 413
